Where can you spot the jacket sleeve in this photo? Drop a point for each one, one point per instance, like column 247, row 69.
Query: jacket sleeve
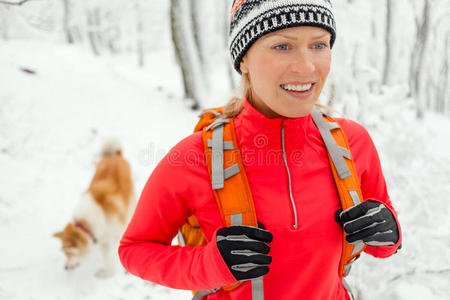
column 373, row 184
column 165, row 203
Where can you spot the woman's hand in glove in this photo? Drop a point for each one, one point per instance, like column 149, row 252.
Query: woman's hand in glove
column 370, row 222
column 245, row 250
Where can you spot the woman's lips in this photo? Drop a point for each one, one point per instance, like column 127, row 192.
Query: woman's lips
column 300, row 94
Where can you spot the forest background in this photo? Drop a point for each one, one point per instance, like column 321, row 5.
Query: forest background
column 75, row 72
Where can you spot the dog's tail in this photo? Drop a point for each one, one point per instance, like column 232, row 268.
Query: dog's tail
column 111, row 147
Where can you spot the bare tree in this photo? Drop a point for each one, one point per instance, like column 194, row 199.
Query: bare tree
column 186, row 51
column 14, row 3
column 441, row 94
column 418, row 56
column 4, row 22
column 92, row 32
column 196, row 20
column 111, row 33
column 66, row 19
column 444, row 86
column 139, row 35
column 388, row 45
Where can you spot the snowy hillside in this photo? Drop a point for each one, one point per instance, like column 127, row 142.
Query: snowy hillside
column 52, row 124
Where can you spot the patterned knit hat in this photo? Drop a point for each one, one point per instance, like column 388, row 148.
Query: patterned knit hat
column 251, row 19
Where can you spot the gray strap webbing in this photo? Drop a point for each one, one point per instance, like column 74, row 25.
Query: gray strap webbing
column 200, row 294
column 336, row 154
column 355, row 197
column 217, row 174
column 345, row 153
column 236, row 220
column 231, row 171
column 257, row 289
column 226, row 145
column 323, row 111
column 210, row 111
column 360, row 245
column 217, row 123
column 257, row 283
column 357, row 247
column 333, row 125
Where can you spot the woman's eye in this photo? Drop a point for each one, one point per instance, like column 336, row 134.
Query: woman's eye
column 320, row 46
column 282, row 47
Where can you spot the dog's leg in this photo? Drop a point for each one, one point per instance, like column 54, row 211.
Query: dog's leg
column 109, row 259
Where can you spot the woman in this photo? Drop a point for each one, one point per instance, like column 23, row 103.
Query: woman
column 282, row 48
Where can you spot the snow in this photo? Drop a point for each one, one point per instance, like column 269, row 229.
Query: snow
column 52, row 125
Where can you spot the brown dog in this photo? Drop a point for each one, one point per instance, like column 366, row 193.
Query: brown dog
column 102, row 213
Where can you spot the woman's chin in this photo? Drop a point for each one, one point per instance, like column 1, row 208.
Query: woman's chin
column 297, row 110
column 292, row 114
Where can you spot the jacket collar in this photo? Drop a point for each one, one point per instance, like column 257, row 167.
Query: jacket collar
column 251, row 120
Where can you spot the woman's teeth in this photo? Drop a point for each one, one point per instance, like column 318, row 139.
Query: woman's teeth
column 297, row 88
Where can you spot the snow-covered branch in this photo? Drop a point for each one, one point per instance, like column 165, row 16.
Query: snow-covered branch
column 13, row 3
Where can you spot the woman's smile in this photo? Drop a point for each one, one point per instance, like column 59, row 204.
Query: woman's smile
column 299, row 90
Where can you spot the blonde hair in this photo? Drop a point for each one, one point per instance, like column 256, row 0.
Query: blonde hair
column 235, row 105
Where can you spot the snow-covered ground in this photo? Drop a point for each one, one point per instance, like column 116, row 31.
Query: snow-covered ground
column 52, row 125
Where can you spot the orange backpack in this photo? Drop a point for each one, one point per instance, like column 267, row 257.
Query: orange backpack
column 232, row 191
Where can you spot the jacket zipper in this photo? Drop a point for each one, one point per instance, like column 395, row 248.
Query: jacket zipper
column 289, row 178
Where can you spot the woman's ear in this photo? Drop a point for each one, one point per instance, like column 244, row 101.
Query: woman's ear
column 243, row 66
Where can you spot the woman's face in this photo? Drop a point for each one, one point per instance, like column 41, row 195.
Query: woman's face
column 287, row 70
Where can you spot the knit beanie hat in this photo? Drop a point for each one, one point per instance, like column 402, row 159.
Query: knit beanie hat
column 251, row 19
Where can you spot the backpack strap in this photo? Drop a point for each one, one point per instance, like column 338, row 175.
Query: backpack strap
column 345, row 177
column 228, row 178
column 230, row 184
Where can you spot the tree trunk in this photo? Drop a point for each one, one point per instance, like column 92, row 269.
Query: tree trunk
column 98, row 30
column 21, row 2
column 443, row 87
column 388, row 55
column 4, row 22
column 195, row 13
column 139, row 36
column 226, row 31
column 91, row 32
column 186, row 51
column 417, row 59
column 66, row 20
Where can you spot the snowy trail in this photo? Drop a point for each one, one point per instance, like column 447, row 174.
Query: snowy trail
column 51, row 128
column 52, row 125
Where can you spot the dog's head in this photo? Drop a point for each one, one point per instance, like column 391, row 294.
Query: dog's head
column 75, row 245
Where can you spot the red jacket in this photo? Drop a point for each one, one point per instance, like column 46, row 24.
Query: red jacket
column 305, row 260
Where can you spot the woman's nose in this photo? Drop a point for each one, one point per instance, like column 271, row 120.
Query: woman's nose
column 302, row 64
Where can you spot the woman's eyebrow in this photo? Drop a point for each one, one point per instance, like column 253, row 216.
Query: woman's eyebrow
column 281, row 35
column 321, row 35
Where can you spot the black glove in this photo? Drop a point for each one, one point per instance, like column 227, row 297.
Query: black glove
column 245, row 251
column 370, row 222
